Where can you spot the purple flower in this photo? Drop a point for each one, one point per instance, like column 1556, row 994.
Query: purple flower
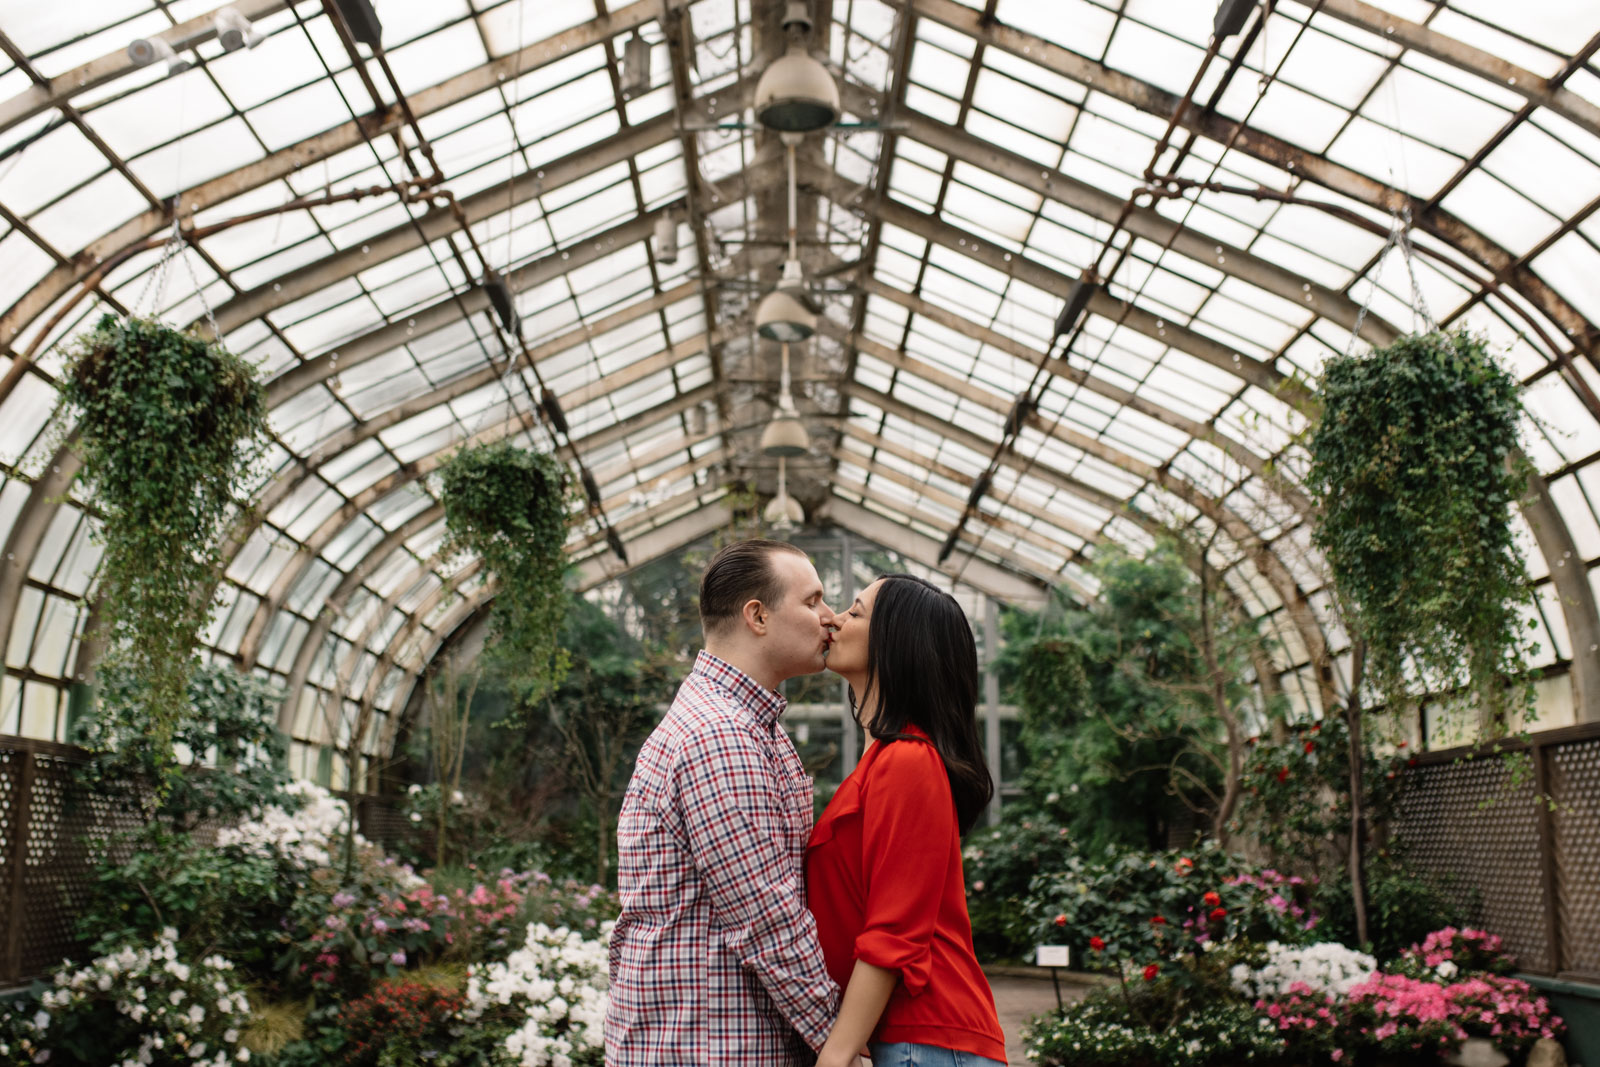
column 342, row 899
column 398, row 959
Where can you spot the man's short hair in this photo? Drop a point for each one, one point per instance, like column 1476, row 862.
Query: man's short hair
column 737, row 574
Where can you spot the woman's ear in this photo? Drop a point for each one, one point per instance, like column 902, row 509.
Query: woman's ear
column 755, row 617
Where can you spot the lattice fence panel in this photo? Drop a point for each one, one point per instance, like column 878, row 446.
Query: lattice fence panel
column 10, row 796
column 1575, row 824
column 1467, row 824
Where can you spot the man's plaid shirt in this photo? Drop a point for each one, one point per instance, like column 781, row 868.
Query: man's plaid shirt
column 714, row 960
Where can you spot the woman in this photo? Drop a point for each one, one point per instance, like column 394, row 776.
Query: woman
column 883, row 866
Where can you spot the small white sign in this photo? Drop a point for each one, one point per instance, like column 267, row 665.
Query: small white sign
column 1054, row 956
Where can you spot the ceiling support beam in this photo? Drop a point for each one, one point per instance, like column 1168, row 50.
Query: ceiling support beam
column 1024, row 591
column 108, row 68
column 1149, row 224
column 1061, row 368
column 1248, row 369
column 1294, row 161
column 1491, row 68
column 1295, row 600
column 285, row 161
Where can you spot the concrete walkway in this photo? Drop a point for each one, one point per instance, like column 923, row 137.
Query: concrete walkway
column 1018, row 998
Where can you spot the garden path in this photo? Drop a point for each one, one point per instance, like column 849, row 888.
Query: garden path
column 1018, row 998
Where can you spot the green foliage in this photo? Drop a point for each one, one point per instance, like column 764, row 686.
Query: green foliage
column 1120, row 731
column 509, row 506
column 1296, row 796
column 1410, row 472
column 1053, row 693
column 1403, row 907
column 1000, row 866
column 219, row 900
column 1151, row 906
column 168, row 429
column 1147, row 1024
column 229, row 721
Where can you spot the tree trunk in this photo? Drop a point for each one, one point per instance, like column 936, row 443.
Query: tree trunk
column 1358, row 877
column 602, row 804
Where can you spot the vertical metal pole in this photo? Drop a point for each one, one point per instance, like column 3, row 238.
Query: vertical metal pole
column 991, row 699
column 847, row 724
column 16, row 903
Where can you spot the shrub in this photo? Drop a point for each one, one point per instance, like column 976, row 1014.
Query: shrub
column 999, row 866
column 547, row 1001
column 142, row 1004
column 396, row 1023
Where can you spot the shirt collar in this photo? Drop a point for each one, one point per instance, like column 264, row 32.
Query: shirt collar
column 756, row 698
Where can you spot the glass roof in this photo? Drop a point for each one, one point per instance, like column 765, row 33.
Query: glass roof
column 988, row 154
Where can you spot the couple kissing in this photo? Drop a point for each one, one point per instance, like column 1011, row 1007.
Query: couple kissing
column 751, row 937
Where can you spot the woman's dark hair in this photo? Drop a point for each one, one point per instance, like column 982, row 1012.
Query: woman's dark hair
column 923, row 665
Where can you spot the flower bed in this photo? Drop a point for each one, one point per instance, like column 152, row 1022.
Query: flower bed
column 352, row 959
column 1313, row 1004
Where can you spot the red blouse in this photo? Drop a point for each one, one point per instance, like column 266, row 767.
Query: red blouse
column 883, row 878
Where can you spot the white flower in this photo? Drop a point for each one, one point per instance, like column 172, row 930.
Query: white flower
column 1327, row 968
column 1447, row 969
column 41, row 1020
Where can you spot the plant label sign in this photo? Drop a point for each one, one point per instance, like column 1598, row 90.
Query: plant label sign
column 1054, row 955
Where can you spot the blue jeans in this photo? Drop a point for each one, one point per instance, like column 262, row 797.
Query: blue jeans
column 904, row 1054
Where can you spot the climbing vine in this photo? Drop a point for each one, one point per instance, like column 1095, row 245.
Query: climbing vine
column 168, row 428
column 510, row 507
column 1413, row 473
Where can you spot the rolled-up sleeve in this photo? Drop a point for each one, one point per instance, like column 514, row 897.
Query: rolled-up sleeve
column 732, row 802
column 907, row 820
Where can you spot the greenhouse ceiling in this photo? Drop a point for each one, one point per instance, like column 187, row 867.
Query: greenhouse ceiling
column 1220, row 215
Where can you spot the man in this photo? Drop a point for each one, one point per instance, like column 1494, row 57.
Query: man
column 715, row 960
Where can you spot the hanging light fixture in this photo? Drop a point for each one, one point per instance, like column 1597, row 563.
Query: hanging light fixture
column 144, row 51
column 785, row 314
column 796, row 93
column 785, row 435
column 635, row 66
column 666, row 238
column 783, row 512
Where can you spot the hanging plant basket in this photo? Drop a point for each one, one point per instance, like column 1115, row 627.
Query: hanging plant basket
column 168, row 426
column 512, row 507
column 1415, row 470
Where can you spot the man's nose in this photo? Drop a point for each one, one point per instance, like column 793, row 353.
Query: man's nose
column 824, row 613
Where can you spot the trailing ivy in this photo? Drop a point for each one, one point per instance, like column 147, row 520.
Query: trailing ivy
column 168, row 427
column 509, row 506
column 1411, row 472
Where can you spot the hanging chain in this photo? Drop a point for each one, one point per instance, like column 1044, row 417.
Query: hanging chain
column 1372, row 284
column 158, row 277
column 1419, row 305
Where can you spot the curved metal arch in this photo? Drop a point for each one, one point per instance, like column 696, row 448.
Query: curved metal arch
column 1054, row 184
column 285, row 161
column 375, row 557
column 1271, row 150
column 355, row 507
column 1061, row 368
column 1578, row 600
column 1266, row 561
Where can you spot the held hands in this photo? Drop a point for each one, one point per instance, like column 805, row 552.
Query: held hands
column 829, row 1058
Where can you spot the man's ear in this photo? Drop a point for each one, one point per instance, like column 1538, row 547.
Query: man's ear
column 754, row 615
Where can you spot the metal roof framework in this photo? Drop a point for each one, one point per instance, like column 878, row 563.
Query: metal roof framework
column 988, row 154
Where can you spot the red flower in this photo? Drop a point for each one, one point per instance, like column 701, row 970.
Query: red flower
column 1316, row 727
column 1412, row 762
column 1212, row 899
column 1310, row 746
column 1218, row 914
column 1283, row 774
column 1097, row 943
column 1150, row 972
column 1061, row 920
column 1158, row 920
column 1402, row 744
